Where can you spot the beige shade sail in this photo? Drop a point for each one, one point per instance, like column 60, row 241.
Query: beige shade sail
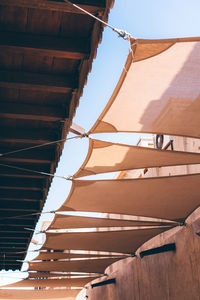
column 124, row 241
column 66, row 275
column 66, row 294
column 69, row 282
column 173, row 197
column 158, row 92
column 86, row 265
column 105, row 157
column 64, row 221
column 60, row 255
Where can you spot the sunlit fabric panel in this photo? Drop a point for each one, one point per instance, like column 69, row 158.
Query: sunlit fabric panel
column 61, row 255
column 64, row 221
column 172, row 197
column 111, row 157
column 69, row 282
column 124, row 241
column 85, row 265
column 62, row 275
column 65, row 294
column 158, row 91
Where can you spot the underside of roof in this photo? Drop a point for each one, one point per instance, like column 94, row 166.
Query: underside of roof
column 46, row 52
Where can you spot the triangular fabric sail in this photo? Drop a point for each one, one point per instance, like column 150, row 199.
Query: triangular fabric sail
column 66, row 275
column 124, row 241
column 60, row 256
column 67, row 222
column 69, row 282
column 158, row 91
column 111, row 157
column 172, row 198
column 85, row 265
column 14, row 294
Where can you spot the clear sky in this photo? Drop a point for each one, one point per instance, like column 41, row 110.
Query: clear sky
column 142, row 19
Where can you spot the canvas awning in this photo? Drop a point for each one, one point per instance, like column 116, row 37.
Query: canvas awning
column 64, row 222
column 66, row 294
column 69, row 282
column 52, row 275
column 173, row 197
column 85, row 265
column 158, row 92
column 105, row 157
column 124, row 241
column 60, row 255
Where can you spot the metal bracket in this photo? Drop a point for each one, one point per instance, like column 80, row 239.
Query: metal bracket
column 109, row 281
column 164, row 248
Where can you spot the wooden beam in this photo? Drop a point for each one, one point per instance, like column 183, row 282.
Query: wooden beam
column 34, row 156
column 76, row 129
column 20, row 209
column 26, row 182
column 16, row 235
column 9, row 262
column 33, row 112
column 37, row 82
column 8, row 172
column 27, row 188
column 17, row 200
column 20, row 205
column 20, row 175
column 15, row 240
column 13, row 248
column 24, row 160
column 13, row 231
column 32, row 136
column 23, row 194
column 23, row 43
column 54, row 5
column 23, row 223
column 9, row 228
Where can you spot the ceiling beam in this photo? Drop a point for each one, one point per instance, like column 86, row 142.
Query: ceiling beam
column 37, row 82
column 8, row 172
column 33, row 112
column 62, row 47
column 12, row 223
column 34, row 156
column 32, row 136
column 54, row 5
column 25, row 160
column 23, row 194
column 76, row 129
column 17, row 235
column 25, row 209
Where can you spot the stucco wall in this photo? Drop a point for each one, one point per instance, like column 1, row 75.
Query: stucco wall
column 168, row 275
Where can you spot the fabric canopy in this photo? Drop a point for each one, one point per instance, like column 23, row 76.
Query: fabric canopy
column 69, row 282
column 63, row 221
column 109, row 157
column 124, row 241
column 60, row 255
column 173, row 197
column 48, row 275
column 86, row 265
column 158, row 91
column 66, row 294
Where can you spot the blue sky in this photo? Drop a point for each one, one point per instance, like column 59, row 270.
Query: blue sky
column 142, row 19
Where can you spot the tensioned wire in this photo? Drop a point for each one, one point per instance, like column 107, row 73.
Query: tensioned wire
column 42, row 145
column 122, row 33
